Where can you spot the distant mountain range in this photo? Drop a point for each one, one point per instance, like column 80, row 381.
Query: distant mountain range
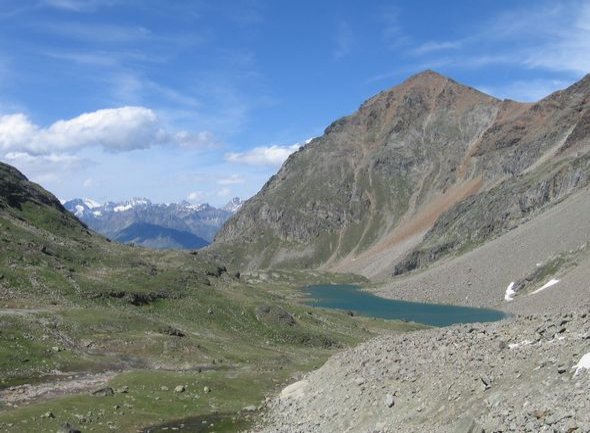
column 154, row 225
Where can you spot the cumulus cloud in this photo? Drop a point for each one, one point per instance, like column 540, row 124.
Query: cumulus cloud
column 263, row 155
column 113, row 130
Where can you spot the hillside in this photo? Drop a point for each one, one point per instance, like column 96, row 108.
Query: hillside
column 153, row 236
column 424, row 170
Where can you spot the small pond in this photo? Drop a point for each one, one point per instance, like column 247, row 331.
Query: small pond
column 214, row 423
column 352, row 298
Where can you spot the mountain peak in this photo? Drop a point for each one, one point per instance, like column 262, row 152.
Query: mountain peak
column 233, row 205
column 428, row 74
column 432, row 81
column 426, row 90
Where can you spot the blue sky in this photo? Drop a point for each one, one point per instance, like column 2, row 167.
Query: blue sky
column 203, row 100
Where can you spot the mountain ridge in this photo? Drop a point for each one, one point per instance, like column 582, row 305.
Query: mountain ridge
column 111, row 219
column 409, row 154
column 154, row 236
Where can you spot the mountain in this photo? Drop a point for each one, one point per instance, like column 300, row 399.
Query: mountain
column 193, row 222
column 153, row 236
column 428, row 169
column 233, row 205
column 446, row 195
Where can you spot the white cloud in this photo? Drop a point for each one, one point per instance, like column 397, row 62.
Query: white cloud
column 224, row 192
column 432, row 46
column 552, row 36
column 263, row 155
column 234, row 179
column 525, row 91
column 87, row 182
column 345, row 40
column 61, row 159
column 567, row 40
column 113, row 130
column 76, row 5
column 197, row 140
column 393, row 33
column 100, row 33
column 94, row 59
column 196, row 196
column 45, row 168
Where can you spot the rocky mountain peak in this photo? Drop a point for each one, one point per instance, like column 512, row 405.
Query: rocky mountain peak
column 423, row 93
column 233, row 205
column 427, row 75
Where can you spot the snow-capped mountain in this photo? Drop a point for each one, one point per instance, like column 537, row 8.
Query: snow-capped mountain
column 112, row 218
column 233, row 205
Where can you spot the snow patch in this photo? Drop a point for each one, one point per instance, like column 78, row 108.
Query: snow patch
column 509, row 296
column 122, row 208
column 97, row 213
column 91, row 204
column 548, row 284
column 517, row 345
column 79, row 210
column 583, row 364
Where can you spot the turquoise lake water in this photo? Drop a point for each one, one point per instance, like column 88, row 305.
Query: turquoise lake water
column 351, row 298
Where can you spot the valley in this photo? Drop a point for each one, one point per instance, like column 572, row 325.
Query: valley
column 431, row 192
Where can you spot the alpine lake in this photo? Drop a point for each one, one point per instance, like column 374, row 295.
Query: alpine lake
column 351, row 298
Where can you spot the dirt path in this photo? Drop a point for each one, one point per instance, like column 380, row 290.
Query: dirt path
column 66, row 385
column 23, row 311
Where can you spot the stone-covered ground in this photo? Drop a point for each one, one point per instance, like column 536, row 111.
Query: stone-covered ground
column 517, row 375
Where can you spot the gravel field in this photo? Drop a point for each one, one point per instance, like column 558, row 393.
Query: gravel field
column 517, row 375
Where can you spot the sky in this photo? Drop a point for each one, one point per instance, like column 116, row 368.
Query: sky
column 204, row 100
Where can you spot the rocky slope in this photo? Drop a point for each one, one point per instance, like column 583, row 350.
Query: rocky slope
column 550, row 246
column 428, row 168
column 113, row 219
column 526, row 374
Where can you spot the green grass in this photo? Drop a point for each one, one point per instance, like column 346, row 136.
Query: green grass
column 79, row 292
